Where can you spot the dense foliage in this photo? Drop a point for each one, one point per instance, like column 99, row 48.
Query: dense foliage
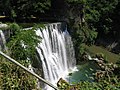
column 22, row 47
column 91, row 20
column 13, row 77
column 22, row 43
column 23, row 8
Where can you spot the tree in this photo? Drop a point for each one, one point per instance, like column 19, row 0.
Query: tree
column 23, row 8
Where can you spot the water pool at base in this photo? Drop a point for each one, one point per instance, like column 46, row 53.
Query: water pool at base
column 84, row 73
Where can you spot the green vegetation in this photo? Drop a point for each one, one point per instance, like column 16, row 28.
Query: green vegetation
column 13, row 77
column 96, row 21
column 22, row 42
column 23, row 8
column 22, row 47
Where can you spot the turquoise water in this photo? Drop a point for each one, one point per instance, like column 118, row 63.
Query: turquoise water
column 84, row 73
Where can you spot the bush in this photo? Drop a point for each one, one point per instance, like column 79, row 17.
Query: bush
column 13, row 77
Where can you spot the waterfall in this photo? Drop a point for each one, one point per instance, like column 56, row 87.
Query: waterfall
column 56, row 52
column 2, row 41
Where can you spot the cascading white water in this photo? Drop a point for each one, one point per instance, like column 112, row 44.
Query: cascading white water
column 2, row 41
column 56, row 52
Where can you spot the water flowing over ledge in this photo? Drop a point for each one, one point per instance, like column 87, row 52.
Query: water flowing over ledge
column 2, row 41
column 56, row 52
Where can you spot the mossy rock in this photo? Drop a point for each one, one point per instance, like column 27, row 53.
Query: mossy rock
column 64, row 85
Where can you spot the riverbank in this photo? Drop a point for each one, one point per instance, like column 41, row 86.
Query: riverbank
column 93, row 49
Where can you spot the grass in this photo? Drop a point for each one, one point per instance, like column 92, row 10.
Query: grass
column 111, row 57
